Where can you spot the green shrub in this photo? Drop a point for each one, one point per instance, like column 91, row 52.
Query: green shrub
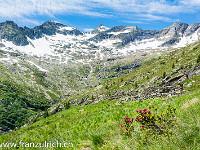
column 181, row 67
column 162, row 62
column 136, row 84
column 46, row 114
column 128, row 126
column 198, row 58
column 155, row 124
column 164, row 75
column 97, row 139
column 17, row 105
column 67, row 105
column 152, row 124
column 173, row 66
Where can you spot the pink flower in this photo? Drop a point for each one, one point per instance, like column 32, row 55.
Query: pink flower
column 121, row 124
column 135, row 119
column 140, row 110
column 126, row 118
column 142, row 126
column 126, row 128
column 129, row 130
column 137, row 111
column 130, row 121
column 144, row 115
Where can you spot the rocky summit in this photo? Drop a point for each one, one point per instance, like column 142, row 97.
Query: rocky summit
column 121, row 37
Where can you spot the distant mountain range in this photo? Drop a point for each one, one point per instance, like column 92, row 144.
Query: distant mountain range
column 48, row 65
column 123, row 39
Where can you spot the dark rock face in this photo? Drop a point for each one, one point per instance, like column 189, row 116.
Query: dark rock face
column 18, row 35
column 11, row 32
column 175, row 32
column 192, row 28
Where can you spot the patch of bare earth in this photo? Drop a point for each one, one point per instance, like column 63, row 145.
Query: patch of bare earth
column 186, row 105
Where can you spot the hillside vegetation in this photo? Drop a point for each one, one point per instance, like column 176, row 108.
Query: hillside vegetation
column 173, row 79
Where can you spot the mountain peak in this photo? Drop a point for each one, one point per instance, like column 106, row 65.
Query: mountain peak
column 178, row 24
column 9, row 22
column 100, row 28
column 101, row 25
column 174, row 29
column 52, row 24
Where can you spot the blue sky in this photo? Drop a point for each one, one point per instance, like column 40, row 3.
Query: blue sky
column 88, row 14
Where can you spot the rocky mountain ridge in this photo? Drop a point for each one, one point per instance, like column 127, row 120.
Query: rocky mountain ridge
column 18, row 35
column 61, row 63
column 123, row 35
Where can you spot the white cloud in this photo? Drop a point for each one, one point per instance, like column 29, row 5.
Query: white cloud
column 10, row 9
column 151, row 17
column 22, row 8
column 133, row 22
column 29, row 21
column 191, row 2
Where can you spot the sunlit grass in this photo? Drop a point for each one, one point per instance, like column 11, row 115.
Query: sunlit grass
column 98, row 126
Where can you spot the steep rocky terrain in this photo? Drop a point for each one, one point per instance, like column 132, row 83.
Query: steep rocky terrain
column 91, row 118
column 45, row 67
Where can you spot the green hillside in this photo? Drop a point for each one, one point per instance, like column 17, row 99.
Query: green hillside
column 170, row 80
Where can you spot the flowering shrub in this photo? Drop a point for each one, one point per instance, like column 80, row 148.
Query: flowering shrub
column 153, row 123
column 128, row 125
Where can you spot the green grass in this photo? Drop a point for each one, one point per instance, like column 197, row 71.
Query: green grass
column 184, row 58
column 98, row 126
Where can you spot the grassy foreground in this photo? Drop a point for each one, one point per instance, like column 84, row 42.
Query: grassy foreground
column 97, row 126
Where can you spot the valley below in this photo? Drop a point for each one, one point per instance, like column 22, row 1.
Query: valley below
column 60, row 84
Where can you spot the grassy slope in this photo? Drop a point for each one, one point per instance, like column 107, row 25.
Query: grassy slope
column 98, row 126
column 184, row 58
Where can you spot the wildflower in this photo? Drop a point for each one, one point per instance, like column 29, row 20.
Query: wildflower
column 142, row 126
column 126, row 118
column 144, row 115
column 148, row 111
column 130, row 121
column 140, row 110
column 126, row 128
column 137, row 111
column 121, row 124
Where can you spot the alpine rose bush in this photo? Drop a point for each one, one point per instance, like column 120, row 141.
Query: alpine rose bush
column 128, row 126
column 152, row 124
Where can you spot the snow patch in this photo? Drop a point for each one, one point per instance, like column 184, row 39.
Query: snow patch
column 40, row 68
column 188, row 40
column 67, row 28
column 102, row 28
